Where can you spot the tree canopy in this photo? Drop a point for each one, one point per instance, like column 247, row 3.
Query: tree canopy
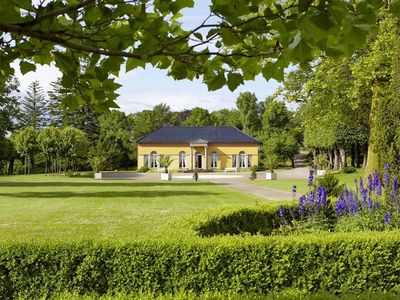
column 235, row 42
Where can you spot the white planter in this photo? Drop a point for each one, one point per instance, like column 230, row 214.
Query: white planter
column 166, row 176
column 271, row 176
column 321, row 173
column 98, row 175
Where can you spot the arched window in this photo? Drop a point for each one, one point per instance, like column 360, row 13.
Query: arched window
column 242, row 159
column 153, row 160
column 182, row 159
column 249, row 160
column 214, row 160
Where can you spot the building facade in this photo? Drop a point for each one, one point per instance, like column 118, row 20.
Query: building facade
column 207, row 147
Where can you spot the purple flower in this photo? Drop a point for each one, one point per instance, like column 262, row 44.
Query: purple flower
column 294, row 189
column 386, row 175
column 315, row 167
column 379, row 188
column 370, row 183
column 281, row 211
column 311, row 198
column 370, row 203
column 311, row 178
column 393, row 196
column 340, row 206
column 302, row 201
column 376, row 180
column 387, row 217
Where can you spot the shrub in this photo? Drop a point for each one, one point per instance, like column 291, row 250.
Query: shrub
column 253, row 174
column 143, row 169
column 336, row 262
column 331, row 184
column 349, row 170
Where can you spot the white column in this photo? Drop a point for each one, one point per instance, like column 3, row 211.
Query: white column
column 191, row 158
column 206, row 154
column 246, row 161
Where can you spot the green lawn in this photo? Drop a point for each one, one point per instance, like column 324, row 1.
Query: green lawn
column 62, row 208
column 301, row 184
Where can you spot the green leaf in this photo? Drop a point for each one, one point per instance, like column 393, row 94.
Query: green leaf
column 101, row 75
column 64, row 62
column 272, row 71
column 234, row 80
column 216, row 82
column 26, row 67
column 229, row 37
column 133, row 63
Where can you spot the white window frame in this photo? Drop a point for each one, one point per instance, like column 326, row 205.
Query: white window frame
column 182, row 160
column 249, row 160
column 153, row 161
column 234, row 160
column 214, row 160
column 242, row 159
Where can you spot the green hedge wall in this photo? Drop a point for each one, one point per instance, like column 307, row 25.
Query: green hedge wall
column 336, row 262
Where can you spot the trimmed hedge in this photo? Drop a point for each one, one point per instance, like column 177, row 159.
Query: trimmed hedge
column 257, row 220
column 335, row 262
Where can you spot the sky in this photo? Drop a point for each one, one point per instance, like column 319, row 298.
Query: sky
column 143, row 89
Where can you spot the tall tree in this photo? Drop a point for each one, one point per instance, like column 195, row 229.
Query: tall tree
column 83, row 117
column 25, row 142
column 115, row 128
column 198, row 117
column 227, row 117
column 34, row 111
column 148, row 120
column 9, row 108
column 373, row 72
column 50, row 144
column 248, row 109
column 235, row 42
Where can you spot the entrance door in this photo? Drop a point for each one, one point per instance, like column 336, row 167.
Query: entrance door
column 198, row 161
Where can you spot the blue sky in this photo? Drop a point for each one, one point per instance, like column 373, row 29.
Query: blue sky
column 142, row 89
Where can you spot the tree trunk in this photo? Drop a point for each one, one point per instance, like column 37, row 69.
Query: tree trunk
column 353, row 156
column 330, row 158
column 336, row 162
column 25, row 162
column 357, row 155
column 343, row 158
column 10, row 169
column 373, row 155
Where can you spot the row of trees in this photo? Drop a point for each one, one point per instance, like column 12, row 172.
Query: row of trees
column 350, row 107
column 40, row 129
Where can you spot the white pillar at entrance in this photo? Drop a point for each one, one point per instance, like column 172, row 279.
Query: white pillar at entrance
column 206, row 157
column 191, row 158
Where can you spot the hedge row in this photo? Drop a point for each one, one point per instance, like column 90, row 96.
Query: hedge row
column 336, row 262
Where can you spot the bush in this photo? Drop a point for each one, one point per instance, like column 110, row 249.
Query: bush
column 143, row 169
column 331, row 184
column 253, row 174
column 349, row 170
column 336, row 262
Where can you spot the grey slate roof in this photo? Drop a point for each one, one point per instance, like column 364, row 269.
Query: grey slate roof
column 186, row 134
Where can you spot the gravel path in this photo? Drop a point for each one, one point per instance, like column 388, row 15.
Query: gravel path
column 236, row 181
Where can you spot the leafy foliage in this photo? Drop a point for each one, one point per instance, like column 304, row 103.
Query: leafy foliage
column 234, row 43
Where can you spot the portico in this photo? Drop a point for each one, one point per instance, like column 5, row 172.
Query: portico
column 198, row 143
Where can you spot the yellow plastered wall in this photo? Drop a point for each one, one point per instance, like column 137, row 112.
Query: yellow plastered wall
column 224, row 152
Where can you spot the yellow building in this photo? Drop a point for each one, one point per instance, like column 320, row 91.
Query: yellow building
column 206, row 147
